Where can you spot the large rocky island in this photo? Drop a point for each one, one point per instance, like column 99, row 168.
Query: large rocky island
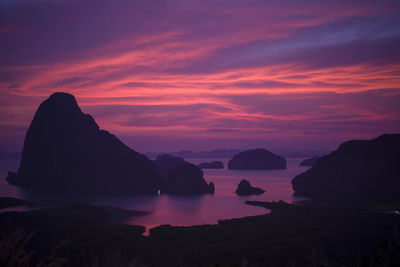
column 165, row 163
column 257, row 159
column 181, row 177
column 66, row 152
column 187, row 179
column 358, row 169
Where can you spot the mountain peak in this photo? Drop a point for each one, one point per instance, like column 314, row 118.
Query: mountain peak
column 65, row 151
column 60, row 101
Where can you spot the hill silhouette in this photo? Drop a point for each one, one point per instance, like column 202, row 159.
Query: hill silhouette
column 358, row 169
column 65, row 151
column 256, row 159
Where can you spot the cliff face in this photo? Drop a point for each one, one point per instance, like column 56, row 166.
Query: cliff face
column 257, row 159
column 64, row 150
column 357, row 169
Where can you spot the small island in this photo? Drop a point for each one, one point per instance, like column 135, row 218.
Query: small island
column 211, row 165
column 257, row 159
column 246, row 189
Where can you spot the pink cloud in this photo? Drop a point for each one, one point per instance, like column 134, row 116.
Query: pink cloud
column 211, row 70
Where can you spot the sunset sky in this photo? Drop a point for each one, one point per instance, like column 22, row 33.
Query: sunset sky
column 190, row 74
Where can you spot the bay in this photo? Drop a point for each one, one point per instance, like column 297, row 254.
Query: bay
column 185, row 211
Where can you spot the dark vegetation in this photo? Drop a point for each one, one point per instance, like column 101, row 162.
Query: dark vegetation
column 73, row 235
column 10, row 202
column 291, row 235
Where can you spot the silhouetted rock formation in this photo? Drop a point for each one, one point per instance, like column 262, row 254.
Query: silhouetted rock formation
column 257, row 159
column 309, row 161
column 65, row 151
column 211, row 165
column 186, row 180
column 165, row 163
column 359, row 169
column 245, row 189
column 181, row 177
column 211, row 188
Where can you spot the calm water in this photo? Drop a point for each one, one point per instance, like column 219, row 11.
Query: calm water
column 207, row 209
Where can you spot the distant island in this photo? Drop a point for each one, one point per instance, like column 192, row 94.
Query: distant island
column 212, row 165
column 358, row 169
column 188, row 154
column 66, row 152
column 256, row 159
column 309, row 161
column 229, row 153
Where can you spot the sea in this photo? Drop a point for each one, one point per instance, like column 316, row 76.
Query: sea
column 185, row 210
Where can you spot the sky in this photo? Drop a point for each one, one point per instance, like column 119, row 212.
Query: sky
column 167, row 75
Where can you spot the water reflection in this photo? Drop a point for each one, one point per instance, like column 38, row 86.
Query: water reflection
column 174, row 210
